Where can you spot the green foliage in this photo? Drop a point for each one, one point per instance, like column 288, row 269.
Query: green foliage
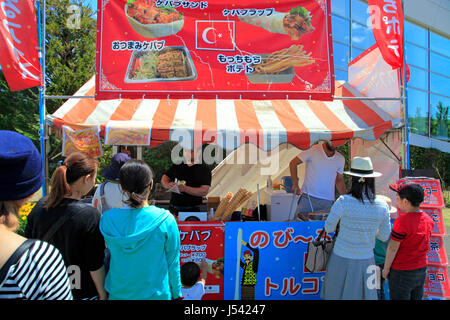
column 19, row 110
column 159, row 159
column 433, row 159
column 70, row 62
column 104, row 162
column 70, row 48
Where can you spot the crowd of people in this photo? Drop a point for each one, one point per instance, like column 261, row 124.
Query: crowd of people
column 122, row 247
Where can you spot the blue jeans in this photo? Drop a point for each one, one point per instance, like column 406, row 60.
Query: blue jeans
column 312, row 204
column 407, row 284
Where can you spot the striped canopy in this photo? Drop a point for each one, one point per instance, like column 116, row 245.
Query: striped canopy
column 231, row 123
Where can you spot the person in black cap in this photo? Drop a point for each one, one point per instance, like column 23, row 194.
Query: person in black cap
column 406, row 255
column 29, row 269
column 109, row 193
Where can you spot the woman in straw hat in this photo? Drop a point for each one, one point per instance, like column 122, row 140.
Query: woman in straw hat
column 363, row 217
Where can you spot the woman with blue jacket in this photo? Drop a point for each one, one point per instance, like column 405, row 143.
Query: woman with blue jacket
column 144, row 242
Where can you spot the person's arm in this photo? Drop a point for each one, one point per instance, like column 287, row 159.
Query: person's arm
column 96, row 200
column 391, row 252
column 204, row 273
column 172, row 251
column 385, row 228
column 340, row 184
column 201, row 191
column 334, row 216
column 94, row 248
column 166, row 182
column 98, row 277
column 294, row 176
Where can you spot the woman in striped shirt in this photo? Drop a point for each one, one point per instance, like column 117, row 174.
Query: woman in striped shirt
column 28, row 269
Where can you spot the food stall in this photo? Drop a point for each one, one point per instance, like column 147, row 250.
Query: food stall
column 247, row 168
column 254, row 83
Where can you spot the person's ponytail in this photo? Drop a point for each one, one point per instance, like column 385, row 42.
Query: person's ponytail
column 135, row 179
column 59, row 189
column 75, row 166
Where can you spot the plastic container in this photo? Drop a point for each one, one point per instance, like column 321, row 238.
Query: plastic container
column 286, row 181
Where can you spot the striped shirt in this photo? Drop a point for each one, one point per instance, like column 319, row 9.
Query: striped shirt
column 40, row 274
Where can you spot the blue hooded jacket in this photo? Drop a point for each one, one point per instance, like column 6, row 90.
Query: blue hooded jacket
column 145, row 254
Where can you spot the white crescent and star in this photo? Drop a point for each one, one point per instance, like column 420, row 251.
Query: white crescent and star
column 205, row 34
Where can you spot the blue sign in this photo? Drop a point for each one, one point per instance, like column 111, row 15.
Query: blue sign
column 265, row 261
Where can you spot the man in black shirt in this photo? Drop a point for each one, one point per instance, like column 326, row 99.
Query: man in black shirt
column 197, row 178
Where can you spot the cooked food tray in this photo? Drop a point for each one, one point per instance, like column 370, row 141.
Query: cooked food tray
column 170, row 64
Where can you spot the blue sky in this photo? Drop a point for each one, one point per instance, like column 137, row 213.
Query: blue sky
column 91, row 3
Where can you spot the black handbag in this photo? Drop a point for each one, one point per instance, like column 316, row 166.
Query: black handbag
column 319, row 251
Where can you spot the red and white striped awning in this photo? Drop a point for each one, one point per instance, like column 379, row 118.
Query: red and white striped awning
column 233, row 122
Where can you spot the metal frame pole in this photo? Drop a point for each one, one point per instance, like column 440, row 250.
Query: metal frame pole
column 42, row 108
column 42, row 125
column 405, row 95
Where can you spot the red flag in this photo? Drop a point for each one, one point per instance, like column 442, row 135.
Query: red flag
column 387, row 26
column 19, row 44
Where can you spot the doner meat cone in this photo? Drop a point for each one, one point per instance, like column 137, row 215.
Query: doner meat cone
column 238, row 200
column 221, row 208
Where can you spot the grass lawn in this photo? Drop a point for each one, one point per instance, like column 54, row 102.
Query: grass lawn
column 446, row 215
column 446, row 211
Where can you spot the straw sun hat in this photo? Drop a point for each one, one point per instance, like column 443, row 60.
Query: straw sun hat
column 362, row 167
column 392, row 210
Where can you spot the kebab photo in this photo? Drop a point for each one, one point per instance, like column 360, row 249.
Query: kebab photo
column 295, row 23
column 169, row 64
column 151, row 21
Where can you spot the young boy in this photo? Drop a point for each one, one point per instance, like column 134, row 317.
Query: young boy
column 193, row 283
column 406, row 256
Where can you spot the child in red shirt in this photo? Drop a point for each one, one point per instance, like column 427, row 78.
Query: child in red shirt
column 406, row 255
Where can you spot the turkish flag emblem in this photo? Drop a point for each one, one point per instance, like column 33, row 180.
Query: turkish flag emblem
column 215, row 35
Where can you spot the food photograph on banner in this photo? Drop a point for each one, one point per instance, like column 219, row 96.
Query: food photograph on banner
column 214, row 49
column 205, row 242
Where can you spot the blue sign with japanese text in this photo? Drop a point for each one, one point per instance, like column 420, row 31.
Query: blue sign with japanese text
column 265, row 261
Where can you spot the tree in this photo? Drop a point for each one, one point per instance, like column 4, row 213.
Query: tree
column 19, row 110
column 440, row 123
column 70, row 48
column 70, row 62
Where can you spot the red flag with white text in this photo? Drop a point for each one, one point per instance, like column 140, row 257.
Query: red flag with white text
column 387, row 26
column 19, row 57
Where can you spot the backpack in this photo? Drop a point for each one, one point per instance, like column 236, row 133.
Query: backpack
column 105, row 206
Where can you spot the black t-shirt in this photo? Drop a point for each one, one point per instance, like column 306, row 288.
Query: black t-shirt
column 195, row 176
column 79, row 240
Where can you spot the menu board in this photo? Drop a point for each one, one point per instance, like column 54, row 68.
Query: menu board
column 214, row 49
column 83, row 140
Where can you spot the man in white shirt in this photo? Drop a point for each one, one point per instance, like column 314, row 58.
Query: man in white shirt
column 324, row 170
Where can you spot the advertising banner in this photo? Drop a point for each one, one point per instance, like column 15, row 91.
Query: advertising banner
column 436, row 254
column 214, row 49
column 439, row 225
column 19, row 58
column 84, row 140
column 432, row 190
column 205, row 241
column 265, row 261
column 437, row 283
column 128, row 133
column 387, row 26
